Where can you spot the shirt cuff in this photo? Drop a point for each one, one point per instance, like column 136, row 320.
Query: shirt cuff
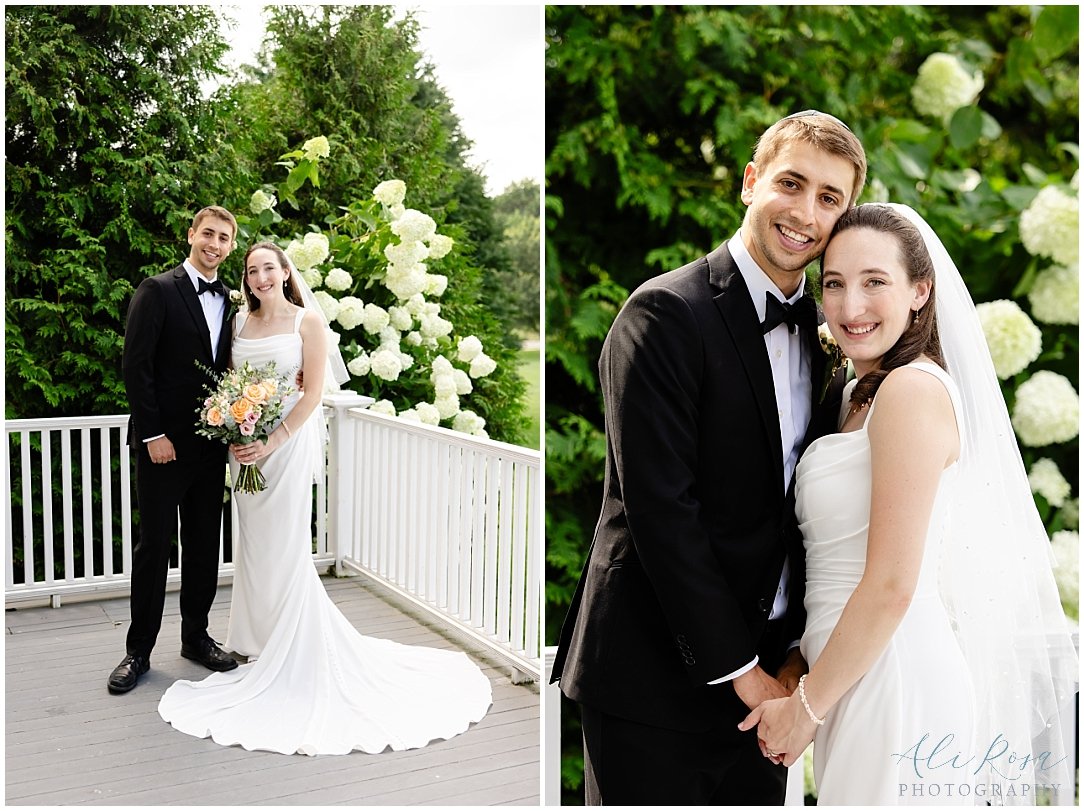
column 740, row 671
column 151, row 439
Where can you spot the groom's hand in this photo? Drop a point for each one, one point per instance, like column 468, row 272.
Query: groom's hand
column 794, row 667
column 161, row 450
column 755, row 687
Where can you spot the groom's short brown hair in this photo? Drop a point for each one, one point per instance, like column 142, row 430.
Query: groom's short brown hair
column 823, row 131
column 215, row 211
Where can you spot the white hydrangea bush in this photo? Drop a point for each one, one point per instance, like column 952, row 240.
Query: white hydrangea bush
column 1050, row 226
column 1013, row 338
column 1047, row 410
column 402, row 330
column 944, row 85
column 1045, row 479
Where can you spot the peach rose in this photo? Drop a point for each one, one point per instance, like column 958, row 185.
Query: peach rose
column 256, row 393
column 271, row 386
column 239, row 410
column 214, row 416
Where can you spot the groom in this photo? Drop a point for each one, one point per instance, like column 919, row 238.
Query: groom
column 693, row 588
column 176, row 320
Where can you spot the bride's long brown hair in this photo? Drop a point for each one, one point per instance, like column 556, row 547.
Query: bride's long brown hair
column 921, row 337
column 289, row 289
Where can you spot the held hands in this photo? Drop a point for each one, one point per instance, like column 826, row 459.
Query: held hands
column 756, row 686
column 794, row 667
column 784, row 731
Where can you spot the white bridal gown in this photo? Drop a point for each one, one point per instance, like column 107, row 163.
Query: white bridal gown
column 317, row 686
column 868, row 751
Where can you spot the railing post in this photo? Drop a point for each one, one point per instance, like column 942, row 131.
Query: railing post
column 551, row 757
column 341, row 486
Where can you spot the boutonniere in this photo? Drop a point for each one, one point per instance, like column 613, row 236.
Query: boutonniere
column 836, row 358
column 234, row 302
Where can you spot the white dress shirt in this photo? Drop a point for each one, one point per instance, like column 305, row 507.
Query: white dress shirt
column 793, row 392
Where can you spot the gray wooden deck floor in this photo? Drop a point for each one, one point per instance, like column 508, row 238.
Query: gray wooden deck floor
column 69, row 742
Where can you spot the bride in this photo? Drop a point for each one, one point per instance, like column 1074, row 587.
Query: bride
column 940, row 660
column 312, row 684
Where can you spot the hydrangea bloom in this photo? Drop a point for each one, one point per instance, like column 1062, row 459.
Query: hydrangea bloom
column 390, row 192
column 440, row 246
column 414, row 226
column 1046, row 480
column 351, row 312
column 407, row 283
column 1049, row 226
column 1066, row 547
column 1013, row 339
column 413, row 338
column 410, row 415
column 316, row 148
column 943, row 86
column 400, row 318
column 463, row 386
column 313, row 278
column 468, row 422
column 406, row 253
column 469, row 348
column 375, row 318
column 443, row 384
column 433, row 326
column 428, row 413
column 359, row 366
column 482, row 365
column 328, row 303
column 436, row 284
column 1070, row 513
column 338, row 279
column 447, row 406
column 1047, row 410
column 261, row 201
column 383, row 407
column 1055, row 295
column 309, row 252
column 385, row 364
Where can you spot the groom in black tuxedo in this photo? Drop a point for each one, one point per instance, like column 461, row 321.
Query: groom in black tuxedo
column 176, row 320
column 692, row 592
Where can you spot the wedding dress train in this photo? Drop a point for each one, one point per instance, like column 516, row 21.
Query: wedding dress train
column 317, row 686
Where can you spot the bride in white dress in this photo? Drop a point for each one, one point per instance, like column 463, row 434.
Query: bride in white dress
column 313, row 684
column 938, row 651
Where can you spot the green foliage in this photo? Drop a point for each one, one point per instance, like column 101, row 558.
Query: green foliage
column 106, row 163
column 652, row 114
column 516, row 213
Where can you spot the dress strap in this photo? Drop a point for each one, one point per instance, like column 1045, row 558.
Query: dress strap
column 946, row 381
column 298, row 319
column 239, row 321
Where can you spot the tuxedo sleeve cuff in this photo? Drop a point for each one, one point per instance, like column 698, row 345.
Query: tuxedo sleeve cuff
column 740, row 671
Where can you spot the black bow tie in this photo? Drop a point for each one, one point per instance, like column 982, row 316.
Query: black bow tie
column 802, row 313
column 215, row 287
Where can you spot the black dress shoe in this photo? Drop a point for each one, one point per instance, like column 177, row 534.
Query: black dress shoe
column 126, row 675
column 208, row 654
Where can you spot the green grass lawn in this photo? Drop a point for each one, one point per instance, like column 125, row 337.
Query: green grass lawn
column 530, row 369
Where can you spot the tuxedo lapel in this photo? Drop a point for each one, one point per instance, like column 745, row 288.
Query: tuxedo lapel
column 225, row 335
column 735, row 305
column 191, row 303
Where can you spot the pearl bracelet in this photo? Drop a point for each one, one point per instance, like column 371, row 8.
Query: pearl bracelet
column 801, row 695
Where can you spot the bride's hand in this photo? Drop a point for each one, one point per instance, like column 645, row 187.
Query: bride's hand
column 784, row 729
column 250, row 452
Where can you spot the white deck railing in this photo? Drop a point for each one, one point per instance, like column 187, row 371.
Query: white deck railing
column 450, row 522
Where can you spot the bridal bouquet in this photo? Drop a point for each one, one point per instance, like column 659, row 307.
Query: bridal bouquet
column 244, row 407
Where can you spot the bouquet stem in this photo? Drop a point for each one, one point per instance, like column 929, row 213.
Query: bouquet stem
column 250, row 480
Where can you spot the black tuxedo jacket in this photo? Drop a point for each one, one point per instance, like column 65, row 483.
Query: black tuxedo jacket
column 166, row 335
column 695, row 524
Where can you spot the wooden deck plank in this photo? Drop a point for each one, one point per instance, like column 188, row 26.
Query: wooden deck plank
column 69, row 742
